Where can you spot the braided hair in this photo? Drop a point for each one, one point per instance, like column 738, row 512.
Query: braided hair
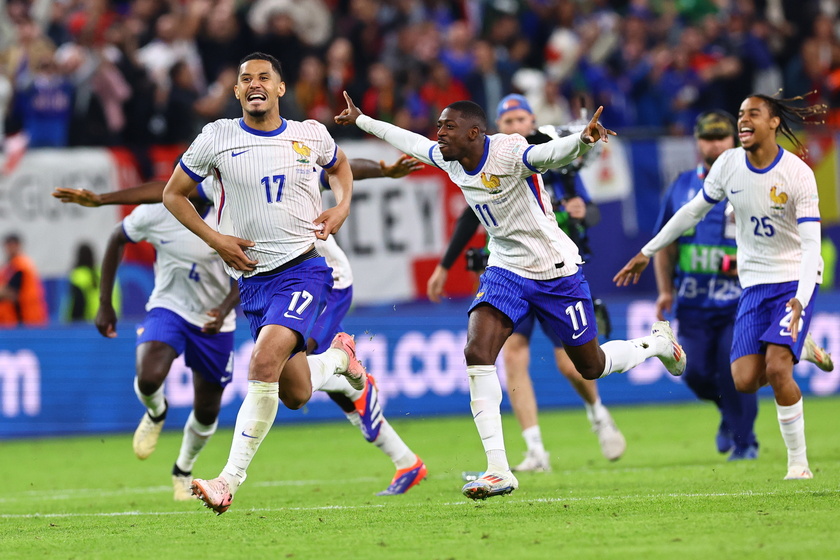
column 787, row 112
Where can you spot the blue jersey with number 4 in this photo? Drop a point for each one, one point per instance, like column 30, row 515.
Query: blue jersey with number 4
column 700, row 283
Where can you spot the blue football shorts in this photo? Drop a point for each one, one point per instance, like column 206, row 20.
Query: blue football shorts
column 562, row 305
column 762, row 319
column 211, row 355
column 293, row 298
column 328, row 323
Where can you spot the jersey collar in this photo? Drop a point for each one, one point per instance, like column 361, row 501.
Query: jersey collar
column 769, row 167
column 483, row 158
column 256, row 132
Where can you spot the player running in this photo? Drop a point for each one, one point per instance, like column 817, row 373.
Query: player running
column 533, row 264
column 777, row 217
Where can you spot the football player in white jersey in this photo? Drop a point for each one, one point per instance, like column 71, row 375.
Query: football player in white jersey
column 533, row 265
column 190, row 312
column 361, row 408
column 269, row 217
column 514, row 115
column 777, row 216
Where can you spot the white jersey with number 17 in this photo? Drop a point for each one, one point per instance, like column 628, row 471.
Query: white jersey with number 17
column 769, row 204
column 268, row 182
column 508, row 196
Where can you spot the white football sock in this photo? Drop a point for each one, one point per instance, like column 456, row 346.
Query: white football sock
column 595, row 412
column 792, row 424
column 155, row 403
column 339, row 384
column 485, row 400
column 196, row 436
column 533, row 439
column 392, row 445
column 622, row 355
column 254, row 420
column 324, row 366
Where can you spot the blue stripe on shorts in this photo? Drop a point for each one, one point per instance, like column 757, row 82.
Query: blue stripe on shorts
column 762, row 319
column 562, row 305
column 211, row 355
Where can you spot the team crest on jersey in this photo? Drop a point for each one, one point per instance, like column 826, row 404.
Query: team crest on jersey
column 778, row 199
column 491, row 183
column 302, row 150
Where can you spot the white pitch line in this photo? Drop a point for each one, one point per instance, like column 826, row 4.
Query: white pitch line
column 73, row 493
column 396, row 504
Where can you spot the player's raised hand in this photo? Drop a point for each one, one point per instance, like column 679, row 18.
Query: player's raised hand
column 400, row 168
column 350, row 114
column 82, row 197
column 631, row 271
column 106, row 321
column 330, row 221
column 795, row 307
column 232, row 250
column 595, row 131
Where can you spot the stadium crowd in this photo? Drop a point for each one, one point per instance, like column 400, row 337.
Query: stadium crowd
column 142, row 72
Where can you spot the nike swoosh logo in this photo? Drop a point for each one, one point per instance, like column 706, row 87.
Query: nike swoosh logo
column 580, row 334
column 225, row 379
column 247, row 436
column 234, row 154
column 164, row 241
column 286, row 315
column 735, row 192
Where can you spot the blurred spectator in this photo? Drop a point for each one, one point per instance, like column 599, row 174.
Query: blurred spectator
column 44, row 103
column 311, row 92
column 174, row 40
column 178, row 114
column 221, row 43
column 441, row 89
column 821, row 53
column 83, row 300
column 381, row 100
column 28, row 47
column 218, row 103
column 364, row 31
column 311, row 18
column 457, row 52
column 488, row 82
column 22, row 299
column 281, row 39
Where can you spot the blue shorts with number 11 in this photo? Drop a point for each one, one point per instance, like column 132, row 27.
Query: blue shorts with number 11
column 563, row 305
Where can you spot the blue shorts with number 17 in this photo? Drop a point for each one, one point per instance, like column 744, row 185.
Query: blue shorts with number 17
column 563, row 305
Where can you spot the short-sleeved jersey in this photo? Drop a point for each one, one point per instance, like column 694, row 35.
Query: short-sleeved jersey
column 700, row 283
column 189, row 276
column 268, row 183
column 769, row 204
column 508, row 196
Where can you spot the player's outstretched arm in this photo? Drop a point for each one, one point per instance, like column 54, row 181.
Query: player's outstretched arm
column 369, row 169
column 106, row 316
column 562, row 151
column 145, row 193
column 632, row 271
column 403, row 140
column 230, row 248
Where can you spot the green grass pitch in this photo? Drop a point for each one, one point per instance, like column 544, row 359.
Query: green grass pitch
column 310, row 494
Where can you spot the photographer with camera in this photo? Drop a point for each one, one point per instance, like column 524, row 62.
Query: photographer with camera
column 698, row 273
column 575, row 213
